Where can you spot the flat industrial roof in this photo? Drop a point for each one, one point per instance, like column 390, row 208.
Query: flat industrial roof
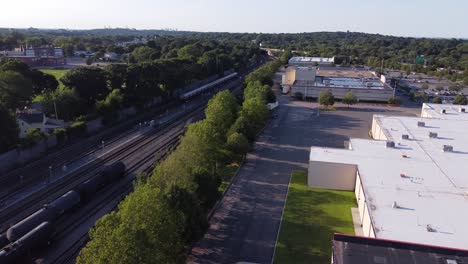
column 363, row 250
column 433, row 191
column 452, row 112
column 311, row 59
column 345, row 72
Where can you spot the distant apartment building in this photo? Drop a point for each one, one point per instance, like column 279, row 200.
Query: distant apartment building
column 37, row 56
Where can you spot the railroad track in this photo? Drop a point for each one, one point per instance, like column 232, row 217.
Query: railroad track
column 146, row 163
column 117, row 193
column 33, row 202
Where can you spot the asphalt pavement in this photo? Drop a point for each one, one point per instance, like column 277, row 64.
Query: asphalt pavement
column 244, row 227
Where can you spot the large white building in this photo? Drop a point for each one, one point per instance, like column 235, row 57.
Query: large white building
column 311, row 81
column 411, row 181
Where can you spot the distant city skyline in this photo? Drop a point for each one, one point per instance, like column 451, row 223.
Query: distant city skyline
column 416, row 18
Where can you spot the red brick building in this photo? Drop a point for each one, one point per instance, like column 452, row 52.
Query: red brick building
column 37, row 56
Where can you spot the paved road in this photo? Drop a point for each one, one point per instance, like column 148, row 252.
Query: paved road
column 245, row 225
column 244, row 228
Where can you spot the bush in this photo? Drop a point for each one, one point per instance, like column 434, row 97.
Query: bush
column 33, row 137
column 394, row 101
column 437, row 100
column 460, row 100
column 77, row 129
column 299, row 96
column 61, row 135
column 326, row 98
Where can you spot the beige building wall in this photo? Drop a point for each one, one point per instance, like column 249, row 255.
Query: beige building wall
column 340, row 92
column 363, row 207
column 334, row 176
column 377, row 131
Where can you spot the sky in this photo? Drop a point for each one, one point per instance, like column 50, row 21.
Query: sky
column 417, row 18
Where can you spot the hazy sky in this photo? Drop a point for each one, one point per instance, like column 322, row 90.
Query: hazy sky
column 428, row 18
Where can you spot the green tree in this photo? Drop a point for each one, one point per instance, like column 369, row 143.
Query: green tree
column 221, row 112
column 350, row 98
column 15, row 89
column 110, row 106
column 116, row 75
column 9, row 136
column 88, row 82
column 460, row 100
column 437, row 100
column 425, row 86
column 326, row 98
column 394, row 101
column 65, row 100
column 238, row 144
column 146, row 229
column 465, row 80
column 144, row 54
column 285, row 56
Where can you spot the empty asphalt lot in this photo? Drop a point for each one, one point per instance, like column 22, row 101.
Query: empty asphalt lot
column 245, row 225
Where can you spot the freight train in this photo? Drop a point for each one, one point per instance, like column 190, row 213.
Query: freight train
column 36, row 230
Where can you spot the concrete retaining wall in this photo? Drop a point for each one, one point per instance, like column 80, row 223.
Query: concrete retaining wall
column 18, row 157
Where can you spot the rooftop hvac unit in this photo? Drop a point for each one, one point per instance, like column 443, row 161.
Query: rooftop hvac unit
column 430, row 229
column 405, row 136
column 390, row 144
column 432, row 135
column 442, row 111
column 421, row 124
column 448, row 148
column 462, row 110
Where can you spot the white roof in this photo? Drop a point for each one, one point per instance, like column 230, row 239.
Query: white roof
column 452, row 112
column 311, row 59
column 434, row 190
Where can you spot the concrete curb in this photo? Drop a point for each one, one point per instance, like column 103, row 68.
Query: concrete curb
column 281, row 221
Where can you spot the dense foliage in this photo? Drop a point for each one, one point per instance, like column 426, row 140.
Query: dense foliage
column 167, row 211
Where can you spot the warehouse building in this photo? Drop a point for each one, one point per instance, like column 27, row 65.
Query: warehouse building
column 311, row 81
column 362, row 250
column 410, row 182
column 311, row 61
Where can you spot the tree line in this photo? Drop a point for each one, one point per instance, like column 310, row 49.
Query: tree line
column 167, row 210
column 91, row 91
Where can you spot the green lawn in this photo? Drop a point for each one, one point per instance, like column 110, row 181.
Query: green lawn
column 310, row 218
column 57, row 73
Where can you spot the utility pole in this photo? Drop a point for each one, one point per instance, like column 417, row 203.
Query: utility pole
column 55, row 108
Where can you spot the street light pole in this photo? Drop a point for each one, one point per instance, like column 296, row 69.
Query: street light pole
column 50, row 174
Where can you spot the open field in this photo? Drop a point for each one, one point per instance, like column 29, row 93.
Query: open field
column 56, row 73
column 310, row 218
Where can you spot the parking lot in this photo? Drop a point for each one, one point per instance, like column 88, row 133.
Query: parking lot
column 245, row 225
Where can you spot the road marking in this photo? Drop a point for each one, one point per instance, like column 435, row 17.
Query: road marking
column 281, row 221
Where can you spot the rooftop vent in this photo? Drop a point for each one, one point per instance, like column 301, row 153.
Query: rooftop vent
column 462, row 110
column 430, row 229
column 395, row 205
column 432, row 135
column 442, row 111
column 390, row 144
column 448, row 148
column 421, row 124
column 402, row 175
column 405, row 136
